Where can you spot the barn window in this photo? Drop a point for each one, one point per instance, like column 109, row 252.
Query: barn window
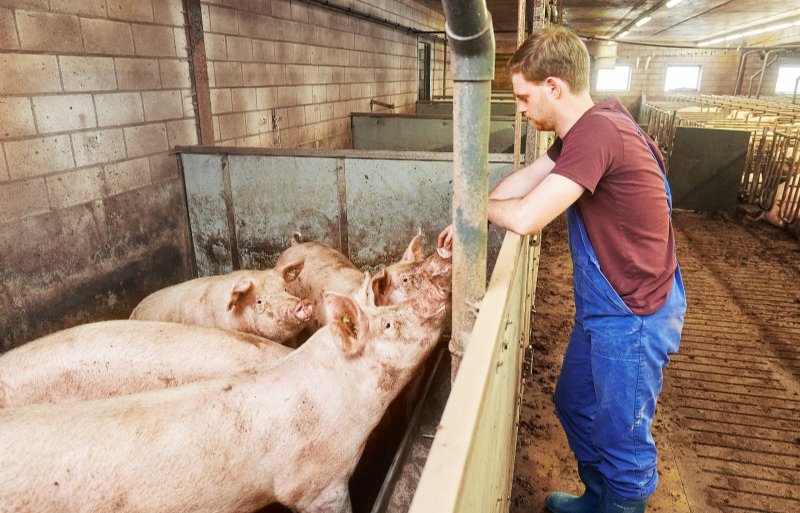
column 787, row 79
column 686, row 78
column 424, row 60
column 617, row 78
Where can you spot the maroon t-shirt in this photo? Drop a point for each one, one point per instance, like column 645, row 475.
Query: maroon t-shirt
column 624, row 207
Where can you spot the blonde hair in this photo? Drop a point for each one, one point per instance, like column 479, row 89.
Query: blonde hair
column 553, row 51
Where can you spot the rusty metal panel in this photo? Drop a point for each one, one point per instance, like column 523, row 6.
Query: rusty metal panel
column 421, row 133
column 388, row 201
column 205, row 196
column 274, row 196
column 445, row 108
column 706, row 166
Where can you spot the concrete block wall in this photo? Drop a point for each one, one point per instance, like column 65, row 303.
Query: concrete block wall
column 93, row 95
column 307, row 67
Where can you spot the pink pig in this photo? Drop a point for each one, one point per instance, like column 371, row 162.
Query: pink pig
column 290, row 432
column 111, row 358
column 248, row 301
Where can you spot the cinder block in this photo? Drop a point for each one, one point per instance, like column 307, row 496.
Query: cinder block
column 294, row 74
column 262, row 6
column 215, row 122
column 40, row 31
column 258, row 121
column 232, row 125
column 286, row 96
column 168, row 12
column 228, row 74
column 188, row 105
column 276, row 74
column 3, row 168
column 305, row 95
column 332, row 92
column 295, row 116
column 107, row 37
column 87, row 7
column 326, row 111
column 119, row 109
column 240, row 48
column 312, row 113
column 223, row 21
column 181, row 45
column 75, row 187
column 160, row 105
column 163, row 167
column 127, row 175
column 236, row 4
column 282, row 9
column 182, row 132
column 216, row 48
column 318, row 93
column 151, row 40
column 23, row 74
column 41, row 156
column 8, row 31
column 98, row 146
column 64, row 112
column 266, row 98
column 263, row 51
column 249, row 142
column 221, row 101
column 243, row 99
column 174, row 74
column 212, row 76
column 138, row 10
column 146, row 139
column 88, row 73
column 250, row 24
column 254, row 74
column 23, row 199
column 16, row 117
column 137, row 74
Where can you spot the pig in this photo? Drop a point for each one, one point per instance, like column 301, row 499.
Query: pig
column 110, row 358
column 253, row 302
column 326, row 269
column 290, row 433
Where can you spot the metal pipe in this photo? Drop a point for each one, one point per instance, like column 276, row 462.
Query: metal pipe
column 740, row 74
column 796, row 85
column 764, row 69
column 754, row 75
column 469, row 30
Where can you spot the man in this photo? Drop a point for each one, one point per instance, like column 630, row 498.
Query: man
column 629, row 296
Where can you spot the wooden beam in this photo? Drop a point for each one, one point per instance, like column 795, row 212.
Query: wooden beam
column 199, row 71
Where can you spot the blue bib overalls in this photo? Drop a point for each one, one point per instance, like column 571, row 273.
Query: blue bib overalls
column 612, row 372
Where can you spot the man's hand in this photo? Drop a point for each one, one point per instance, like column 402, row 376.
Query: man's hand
column 445, row 239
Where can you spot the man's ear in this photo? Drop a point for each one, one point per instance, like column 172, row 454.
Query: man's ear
column 241, row 288
column 365, row 297
column 347, row 322
column 414, row 251
column 380, row 287
column 291, row 270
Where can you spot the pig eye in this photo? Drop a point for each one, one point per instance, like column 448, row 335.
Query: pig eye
column 405, row 279
column 387, row 325
column 260, row 301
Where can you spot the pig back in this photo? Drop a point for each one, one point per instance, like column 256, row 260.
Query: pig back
column 114, row 358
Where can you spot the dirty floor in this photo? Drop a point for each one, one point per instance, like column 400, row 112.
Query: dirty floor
column 728, row 421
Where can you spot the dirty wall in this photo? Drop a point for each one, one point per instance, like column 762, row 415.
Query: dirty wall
column 94, row 94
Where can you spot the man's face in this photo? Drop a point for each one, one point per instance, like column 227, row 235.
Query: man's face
column 534, row 102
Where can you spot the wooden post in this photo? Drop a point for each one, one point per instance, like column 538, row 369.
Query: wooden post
column 199, row 71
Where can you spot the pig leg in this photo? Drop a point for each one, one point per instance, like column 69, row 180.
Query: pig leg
column 335, row 499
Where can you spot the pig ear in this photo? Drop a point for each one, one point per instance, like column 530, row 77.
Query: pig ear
column 347, row 323
column 444, row 253
column 365, row 296
column 241, row 288
column 380, row 287
column 414, row 251
column 290, row 272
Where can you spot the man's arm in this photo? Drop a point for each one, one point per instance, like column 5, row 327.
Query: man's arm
column 522, row 181
column 541, row 205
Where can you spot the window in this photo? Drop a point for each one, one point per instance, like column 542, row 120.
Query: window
column 616, row 79
column 424, row 59
column 685, row 78
column 787, row 78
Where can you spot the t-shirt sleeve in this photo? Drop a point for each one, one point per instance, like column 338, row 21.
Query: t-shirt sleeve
column 588, row 151
column 555, row 150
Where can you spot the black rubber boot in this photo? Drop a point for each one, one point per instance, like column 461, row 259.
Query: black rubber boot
column 612, row 503
column 589, row 502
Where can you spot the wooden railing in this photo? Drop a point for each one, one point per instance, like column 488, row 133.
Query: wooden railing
column 470, row 467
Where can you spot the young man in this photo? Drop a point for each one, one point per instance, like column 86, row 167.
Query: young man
column 629, row 296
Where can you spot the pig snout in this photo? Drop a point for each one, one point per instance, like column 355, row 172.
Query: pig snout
column 304, row 310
